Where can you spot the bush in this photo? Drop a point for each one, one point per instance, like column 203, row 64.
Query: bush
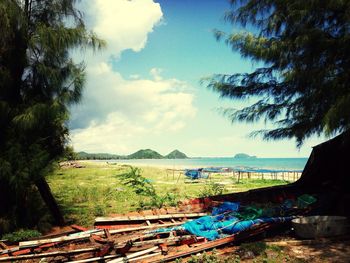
column 22, row 234
column 212, row 189
column 143, row 187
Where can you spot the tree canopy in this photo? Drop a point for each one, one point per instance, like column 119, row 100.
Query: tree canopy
column 38, row 82
column 303, row 85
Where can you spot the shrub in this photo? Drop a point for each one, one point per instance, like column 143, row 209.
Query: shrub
column 22, row 234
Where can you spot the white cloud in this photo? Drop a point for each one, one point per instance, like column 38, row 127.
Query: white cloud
column 115, row 111
column 123, row 24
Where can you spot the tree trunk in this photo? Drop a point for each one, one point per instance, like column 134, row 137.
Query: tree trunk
column 49, row 200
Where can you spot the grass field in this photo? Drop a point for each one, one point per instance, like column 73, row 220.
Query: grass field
column 98, row 189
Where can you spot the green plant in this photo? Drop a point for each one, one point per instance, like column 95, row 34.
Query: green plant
column 205, row 258
column 22, row 234
column 212, row 189
column 143, row 187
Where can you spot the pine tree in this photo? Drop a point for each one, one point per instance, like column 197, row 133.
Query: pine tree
column 38, row 82
column 303, row 85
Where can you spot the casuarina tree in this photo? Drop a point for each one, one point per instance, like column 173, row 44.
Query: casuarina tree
column 38, row 82
column 302, row 82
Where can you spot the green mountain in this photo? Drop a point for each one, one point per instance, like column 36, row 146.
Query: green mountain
column 145, row 154
column 97, row 156
column 176, row 154
column 244, row 156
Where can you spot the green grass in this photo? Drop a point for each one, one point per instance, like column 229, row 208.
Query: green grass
column 97, row 189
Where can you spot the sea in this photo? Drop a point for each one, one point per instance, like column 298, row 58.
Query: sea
column 287, row 164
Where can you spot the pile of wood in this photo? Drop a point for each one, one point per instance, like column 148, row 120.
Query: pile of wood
column 120, row 238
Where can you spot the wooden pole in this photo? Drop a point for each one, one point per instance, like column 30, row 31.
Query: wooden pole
column 49, row 254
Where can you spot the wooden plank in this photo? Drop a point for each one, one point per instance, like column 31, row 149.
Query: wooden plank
column 3, row 246
column 130, row 229
column 200, row 248
column 79, row 228
column 211, row 244
column 95, row 259
column 76, row 236
column 161, row 241
column 150, row 217
column 140, row 259
column 49, row 254
column 133, row 255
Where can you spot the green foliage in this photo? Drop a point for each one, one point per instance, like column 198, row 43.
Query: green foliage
column 205, row 258
column 211, row 189
column 303, row 50
column 69, row 154
column 97, row 156
column 20, row 235
column 38, row 83
column 176, row 154
column 98, row 189
column 213, row 257
column 145, row 154
column 141, row 154
column 143, row 187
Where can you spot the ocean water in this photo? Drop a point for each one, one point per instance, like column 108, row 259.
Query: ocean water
column 292, row 164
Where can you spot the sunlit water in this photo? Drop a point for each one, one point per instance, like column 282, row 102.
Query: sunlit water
column 292, row 164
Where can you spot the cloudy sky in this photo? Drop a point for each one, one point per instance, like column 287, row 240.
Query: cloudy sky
column 144, row 91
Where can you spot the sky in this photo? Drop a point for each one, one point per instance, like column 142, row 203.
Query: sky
column 144, row 89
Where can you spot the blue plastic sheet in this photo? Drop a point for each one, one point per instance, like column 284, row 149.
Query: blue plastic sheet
column 212, row 229
column 225, row 207
column 196, row 174
column 230, row 218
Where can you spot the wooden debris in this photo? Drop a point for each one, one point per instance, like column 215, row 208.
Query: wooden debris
column 149, row 217
column 140, row 259
column 210, row 245
column 49, row 254
column 76, row 236
column 79, row 228
column 161, row 241
column 133, row 255
column 125, row 239
column 131, row 229
column 94, row 259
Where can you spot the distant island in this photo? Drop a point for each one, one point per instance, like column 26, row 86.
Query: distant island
column 176, row 154
column 140, row 154
column 244, row 156
column 145, row 154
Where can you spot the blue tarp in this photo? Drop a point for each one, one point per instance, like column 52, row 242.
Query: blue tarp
column 212, row 228
column 196, row 174
column 230, row 218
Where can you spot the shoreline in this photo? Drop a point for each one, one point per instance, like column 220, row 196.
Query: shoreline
column 149, row 163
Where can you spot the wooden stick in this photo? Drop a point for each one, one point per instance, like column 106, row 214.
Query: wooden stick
column 162, row 240
column 213, row 244
column 76, row 236
column 116, row 231
column 49, row 254
column 93, row 259
column 133, row 255
column 145, row 218
column 143, row 257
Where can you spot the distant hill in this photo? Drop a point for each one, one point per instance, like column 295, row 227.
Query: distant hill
column 244, row 156
column 145, row 154
column 97, row 156
column 176, row 154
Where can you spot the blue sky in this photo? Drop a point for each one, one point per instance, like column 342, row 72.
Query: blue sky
column 144, row 91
